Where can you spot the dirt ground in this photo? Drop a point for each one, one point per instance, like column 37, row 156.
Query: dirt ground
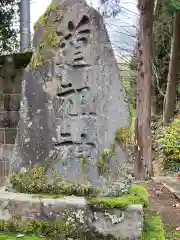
column 161, row 203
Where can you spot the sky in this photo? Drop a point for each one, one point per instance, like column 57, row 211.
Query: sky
column 122, row 29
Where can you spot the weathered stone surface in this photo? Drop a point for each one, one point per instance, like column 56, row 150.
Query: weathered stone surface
column 73, row 100
column 11, row 71
column 122, row 224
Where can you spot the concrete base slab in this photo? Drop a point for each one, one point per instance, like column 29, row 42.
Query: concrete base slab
column 121, row 223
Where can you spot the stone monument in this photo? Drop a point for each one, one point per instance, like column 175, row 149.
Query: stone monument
column 73, row 100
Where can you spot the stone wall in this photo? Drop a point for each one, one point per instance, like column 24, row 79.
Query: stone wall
column 11, row 70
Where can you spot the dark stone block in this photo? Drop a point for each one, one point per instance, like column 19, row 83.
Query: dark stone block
column 2, row 134
column 10, row 135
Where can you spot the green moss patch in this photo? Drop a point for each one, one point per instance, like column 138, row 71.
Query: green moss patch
column 136, row 195
column 40, row 228
column 49, row 38
column 13, row 237
column 35, row 181
column 50, row 230
column 44, row 18
column 153, row 229
column 37, row 60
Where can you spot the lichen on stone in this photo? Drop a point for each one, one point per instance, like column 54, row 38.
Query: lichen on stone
column 37, row 60
column 114, row 218
column 53, row 7
column 49, row 38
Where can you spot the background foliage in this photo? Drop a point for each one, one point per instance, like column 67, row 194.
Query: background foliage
column 9, row 26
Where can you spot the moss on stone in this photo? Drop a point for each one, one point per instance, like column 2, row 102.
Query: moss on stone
column 153, row 229
column 35, row 181
column 53, row 7
column 123, row 136
column 37, row 60
column 49, row 38
column 51, row 230
column 136, row 195
column 48, row 229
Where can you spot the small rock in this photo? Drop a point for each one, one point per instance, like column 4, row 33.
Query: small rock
column 158, row 193
column 177, row 205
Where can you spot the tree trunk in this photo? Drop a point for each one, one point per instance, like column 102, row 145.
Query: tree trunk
column 170, row 98
column 143, row 159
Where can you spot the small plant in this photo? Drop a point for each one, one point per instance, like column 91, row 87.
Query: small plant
column 123, row 137
column 37, row 60
column 103, row 163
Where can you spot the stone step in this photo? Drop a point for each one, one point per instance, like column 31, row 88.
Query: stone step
column 121, row 223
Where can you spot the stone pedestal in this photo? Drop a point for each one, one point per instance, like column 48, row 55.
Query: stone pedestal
column 121, row 224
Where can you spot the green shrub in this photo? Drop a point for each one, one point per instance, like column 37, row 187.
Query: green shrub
column 51, row 230
column 103, row 162
column 40, row 228
column 13, row 237
column 169, row 143
column 153, row 229
column 136, row 195
column 34, row 181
